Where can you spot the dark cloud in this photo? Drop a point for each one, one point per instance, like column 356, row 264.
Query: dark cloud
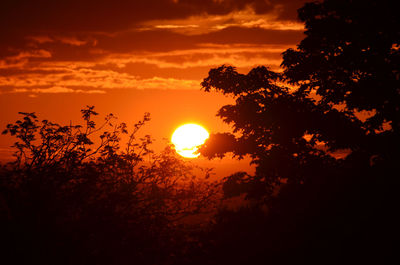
column 26, row 16
column 287, row 8
column 252, row 35
column 20, row 71
column 149, row 41
column 20, row 19
column 54, row 46
column 105, row 15
column 162, row 40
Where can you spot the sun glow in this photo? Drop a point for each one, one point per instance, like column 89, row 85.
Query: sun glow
column 187, row 138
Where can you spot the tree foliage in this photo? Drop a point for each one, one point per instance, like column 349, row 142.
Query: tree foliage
column 339, row 92
column 350, row 56
column 292, row 123
column 282, row 130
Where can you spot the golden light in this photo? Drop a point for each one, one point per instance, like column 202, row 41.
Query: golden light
column 187, row 138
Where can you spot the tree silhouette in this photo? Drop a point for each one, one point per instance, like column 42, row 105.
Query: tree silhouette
column 76, row 195
column 294, row 121
column 339, row 92
column 282, row 131
column 350, row 57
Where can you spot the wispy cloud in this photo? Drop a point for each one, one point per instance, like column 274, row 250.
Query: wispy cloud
column 56, row 90
column 204, row 23
column 123, row 70
column 23, row 57
column 93, row 82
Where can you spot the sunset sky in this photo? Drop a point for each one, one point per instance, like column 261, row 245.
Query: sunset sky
column 131, row 57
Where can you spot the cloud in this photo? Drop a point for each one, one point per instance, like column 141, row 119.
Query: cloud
column 106, row 16
column 177, row 69
column 246, row 18
column 89, row 81
column 162, row 70
column 138, row 42
column 23, row 57
column 69, row 21
column 71, row 40
column 56, row 90
column 204, row 55
column 81, row 46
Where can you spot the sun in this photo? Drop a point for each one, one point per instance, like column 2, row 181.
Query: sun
column 187, row 138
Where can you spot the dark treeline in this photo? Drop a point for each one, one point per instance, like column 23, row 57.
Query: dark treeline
column 68, row 200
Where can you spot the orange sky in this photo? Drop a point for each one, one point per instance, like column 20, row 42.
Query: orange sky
column 129, row 57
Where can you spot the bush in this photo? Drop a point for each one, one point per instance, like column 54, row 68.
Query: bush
column 68, row 198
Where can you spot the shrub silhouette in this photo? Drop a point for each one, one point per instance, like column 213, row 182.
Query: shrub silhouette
column 69, row 199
